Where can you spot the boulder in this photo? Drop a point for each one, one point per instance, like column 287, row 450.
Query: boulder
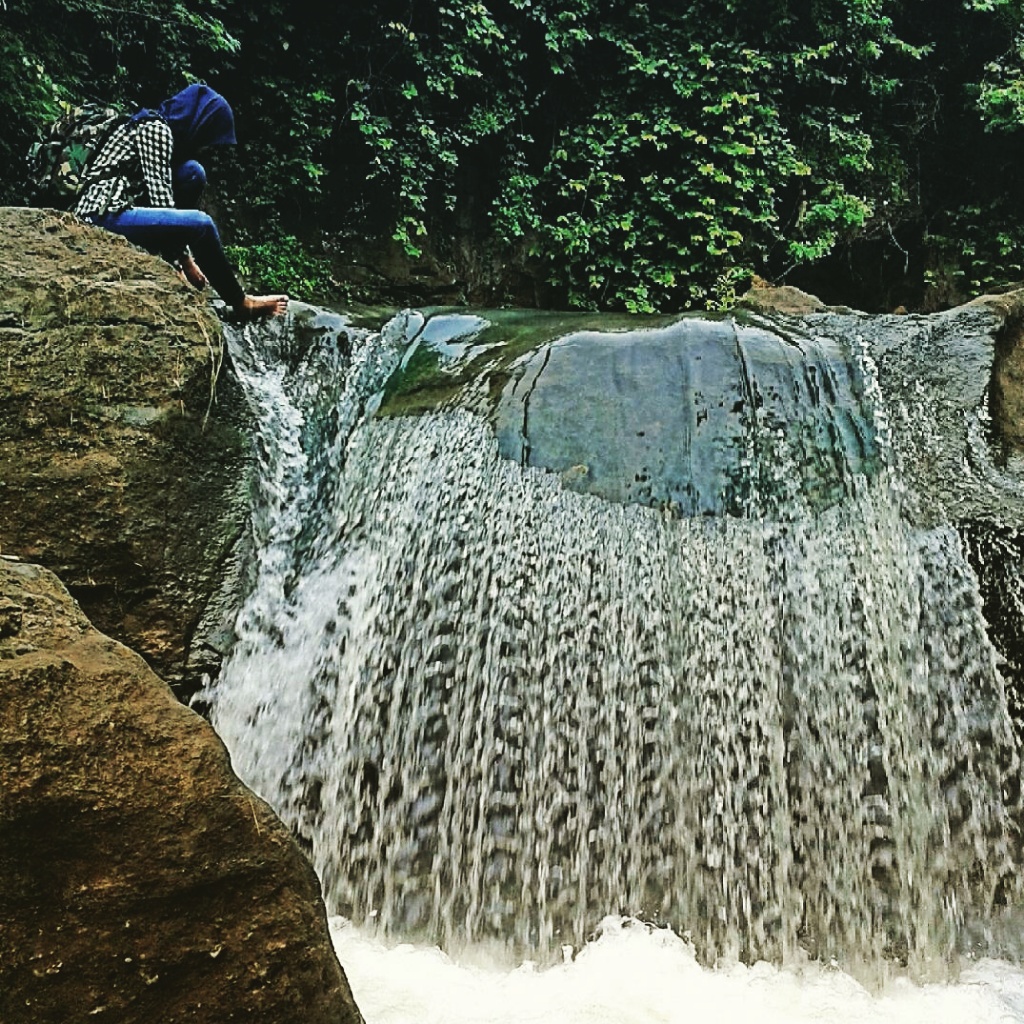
column 139, row 879
column 123, row 462
column 1007, row 386
column 664, row 411
column 764, row 297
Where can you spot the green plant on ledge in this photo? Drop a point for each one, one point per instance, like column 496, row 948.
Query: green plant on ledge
column 282, row 264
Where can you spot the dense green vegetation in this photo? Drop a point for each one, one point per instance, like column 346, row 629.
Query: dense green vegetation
column 625, row 155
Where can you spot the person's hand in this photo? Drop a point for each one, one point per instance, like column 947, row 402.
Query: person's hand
column 190, row 269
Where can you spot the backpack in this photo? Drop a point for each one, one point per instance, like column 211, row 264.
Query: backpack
column 58, row 162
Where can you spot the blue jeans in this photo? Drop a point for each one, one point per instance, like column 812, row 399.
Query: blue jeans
column 167, row 232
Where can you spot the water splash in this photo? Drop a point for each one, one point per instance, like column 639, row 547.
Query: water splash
column 496, row 709
column 634, row 974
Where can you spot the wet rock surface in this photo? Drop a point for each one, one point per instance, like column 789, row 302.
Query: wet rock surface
column 705, row 417
column 678, row 411
column 118, row 469
column 139, row 879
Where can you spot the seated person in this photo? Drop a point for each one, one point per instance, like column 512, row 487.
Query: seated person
column 144, row 183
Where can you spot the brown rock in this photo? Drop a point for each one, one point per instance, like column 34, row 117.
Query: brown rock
column 1007, row 390
column 116, row 471
column 140, row 881
column 764, row 297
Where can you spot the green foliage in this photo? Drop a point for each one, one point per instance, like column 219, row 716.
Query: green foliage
column 282, row 264
column 638, row 156
column 646, row 155
column 29, row 98
column 1001, row 89
column 78, row 50
column 974, row 253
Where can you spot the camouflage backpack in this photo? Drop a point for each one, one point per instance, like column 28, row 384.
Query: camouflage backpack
column 58, row 162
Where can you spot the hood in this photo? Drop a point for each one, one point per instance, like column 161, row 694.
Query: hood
column 199, row 117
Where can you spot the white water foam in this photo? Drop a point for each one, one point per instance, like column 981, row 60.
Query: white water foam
column 635, row 974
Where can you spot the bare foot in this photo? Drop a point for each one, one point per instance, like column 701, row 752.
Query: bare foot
column 255, row 306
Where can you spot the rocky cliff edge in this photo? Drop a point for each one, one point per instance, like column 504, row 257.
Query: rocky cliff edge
column 139, row 879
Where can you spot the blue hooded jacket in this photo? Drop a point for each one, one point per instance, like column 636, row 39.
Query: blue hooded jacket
column 198, row 117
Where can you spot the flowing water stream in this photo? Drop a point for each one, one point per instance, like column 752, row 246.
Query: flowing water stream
column 623, row 742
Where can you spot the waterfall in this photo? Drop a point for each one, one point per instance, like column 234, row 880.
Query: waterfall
column 496, row 708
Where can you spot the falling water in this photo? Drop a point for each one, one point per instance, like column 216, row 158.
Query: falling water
column 496, row 709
